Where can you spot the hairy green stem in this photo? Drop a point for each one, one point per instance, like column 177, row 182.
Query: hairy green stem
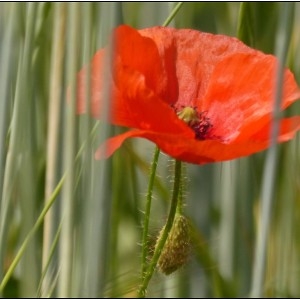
column 147, row 211
column 182, row 187
column 152, row 176
column 168, row 226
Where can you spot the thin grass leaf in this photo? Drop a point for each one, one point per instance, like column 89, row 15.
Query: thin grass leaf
column 67, row 233
column 56, row 74
column 98, row 207
column 5, row 82
column 284, row 33
column 245, row 30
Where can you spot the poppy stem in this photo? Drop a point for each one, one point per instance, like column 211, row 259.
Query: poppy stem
column 181, row 193
column 158, row 249
column 145, row 247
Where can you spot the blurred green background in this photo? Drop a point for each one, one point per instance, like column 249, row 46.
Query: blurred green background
column 95, row 251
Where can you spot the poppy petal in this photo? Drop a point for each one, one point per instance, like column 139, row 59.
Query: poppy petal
column 159, row 70
column 114, row 143
column 136, row 86
column 200, row 152
column 288, row 129
column 169, row 143
column 145, row 109
column 241, row 94
column 197, row 53
column 140, row 53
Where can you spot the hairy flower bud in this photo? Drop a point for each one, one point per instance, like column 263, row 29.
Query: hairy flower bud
column 177, row 247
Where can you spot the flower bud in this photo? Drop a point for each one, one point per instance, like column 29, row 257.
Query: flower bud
column 177, row 247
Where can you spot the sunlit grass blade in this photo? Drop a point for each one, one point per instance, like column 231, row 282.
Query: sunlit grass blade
column 268, row 188
column 228, row 203
column 97, row 209
column 30, row 235
column 221, row 287
column 68, row 209
column 45, row 289
column 21, row 174
column 53, row 131
column 173, row 14
column 245, row 30
column 5, row 81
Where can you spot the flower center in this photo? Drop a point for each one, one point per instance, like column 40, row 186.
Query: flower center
column 198, row 121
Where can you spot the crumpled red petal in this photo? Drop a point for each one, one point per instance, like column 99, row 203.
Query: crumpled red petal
column 239, row 105
column 136, row 87
column 197, row 54
column 157, row 71
column 201, row 152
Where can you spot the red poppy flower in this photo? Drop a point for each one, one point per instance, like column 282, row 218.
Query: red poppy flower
column 200, row 97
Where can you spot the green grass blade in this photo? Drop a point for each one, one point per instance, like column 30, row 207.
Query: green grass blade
column 68, row 203
column 98, row 205
column 30, row 235
column 284, row 33
column 56, row 74
column 245, row 30
column 5, row 78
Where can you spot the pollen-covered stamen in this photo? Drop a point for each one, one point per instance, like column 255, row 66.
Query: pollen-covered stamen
column 189, row 115
column 199, row 122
